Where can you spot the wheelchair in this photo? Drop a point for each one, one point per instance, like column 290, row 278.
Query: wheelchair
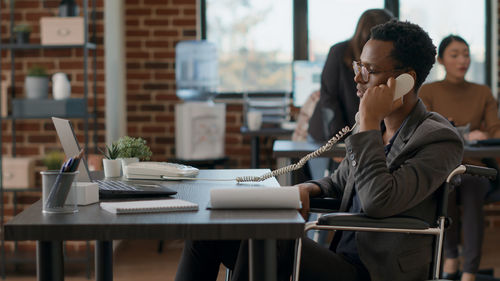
column 399, row 224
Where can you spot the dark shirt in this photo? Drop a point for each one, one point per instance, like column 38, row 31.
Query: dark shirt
column 347, row 243
column 338, row 102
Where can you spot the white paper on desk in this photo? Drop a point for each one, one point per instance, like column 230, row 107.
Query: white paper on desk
column 255, row 198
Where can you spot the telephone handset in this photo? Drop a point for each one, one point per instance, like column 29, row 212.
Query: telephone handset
column 404, row 84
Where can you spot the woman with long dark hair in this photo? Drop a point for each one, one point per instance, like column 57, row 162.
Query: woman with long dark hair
column 338, row 102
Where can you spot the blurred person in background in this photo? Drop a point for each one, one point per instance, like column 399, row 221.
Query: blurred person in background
column 471, row 107
column 338, row 102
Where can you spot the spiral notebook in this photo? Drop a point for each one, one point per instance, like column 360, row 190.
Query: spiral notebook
column 149, row 206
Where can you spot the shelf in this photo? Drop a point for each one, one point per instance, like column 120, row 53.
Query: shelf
column 38, row 46
column 46, row 108
column 48, row 116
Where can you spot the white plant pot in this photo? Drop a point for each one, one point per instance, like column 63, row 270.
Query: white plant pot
column 112, row 167
column 126, row 161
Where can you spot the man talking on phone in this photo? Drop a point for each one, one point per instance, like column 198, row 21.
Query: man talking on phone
column 395, row 161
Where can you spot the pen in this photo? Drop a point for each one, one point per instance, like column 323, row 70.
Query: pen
column 58, row 193
column 67, row 165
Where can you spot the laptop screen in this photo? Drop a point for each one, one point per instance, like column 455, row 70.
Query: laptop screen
column 70, row 145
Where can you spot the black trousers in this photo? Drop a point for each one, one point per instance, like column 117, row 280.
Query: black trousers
column 201, row 261
column 470, row 195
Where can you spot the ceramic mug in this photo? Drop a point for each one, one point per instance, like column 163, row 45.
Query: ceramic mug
column 254, row 120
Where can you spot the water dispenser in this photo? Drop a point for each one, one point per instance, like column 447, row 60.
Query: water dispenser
column 199, row 122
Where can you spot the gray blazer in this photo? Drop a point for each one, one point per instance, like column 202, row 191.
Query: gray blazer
column 425, row 151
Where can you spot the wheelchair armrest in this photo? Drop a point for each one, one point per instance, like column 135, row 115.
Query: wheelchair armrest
column 489, row 173
column 362, row 220
column 324, row 205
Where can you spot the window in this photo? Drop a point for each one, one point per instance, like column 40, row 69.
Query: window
column 255, row 37
column 462, row 17
column 333, row 21
column 254, row 43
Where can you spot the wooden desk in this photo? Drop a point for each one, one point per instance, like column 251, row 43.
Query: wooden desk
column 261, row 227
column 255, row 140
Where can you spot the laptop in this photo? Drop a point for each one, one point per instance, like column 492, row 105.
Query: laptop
column 108, row 188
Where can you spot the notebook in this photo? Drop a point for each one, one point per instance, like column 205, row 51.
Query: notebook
column 108, row 188
column 149, row 206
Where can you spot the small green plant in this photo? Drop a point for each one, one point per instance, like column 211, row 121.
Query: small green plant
column 22, row 28
column 37, row 70
column 129, row 147
column 111, row 152
column 53, row 160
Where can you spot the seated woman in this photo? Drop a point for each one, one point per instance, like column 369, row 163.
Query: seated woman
column 472, row 105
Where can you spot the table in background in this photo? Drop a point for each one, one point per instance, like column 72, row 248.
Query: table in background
column 261, row 227
column 492, row 151
column 285, row 150
column 255, row 139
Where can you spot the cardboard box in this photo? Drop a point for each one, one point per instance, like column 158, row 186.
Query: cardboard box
column 18, row 172
column 62, row 31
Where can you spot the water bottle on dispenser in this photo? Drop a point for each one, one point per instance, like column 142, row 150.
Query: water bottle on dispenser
column 196, row 70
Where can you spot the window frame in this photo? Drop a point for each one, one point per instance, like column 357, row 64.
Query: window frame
column 301, row 35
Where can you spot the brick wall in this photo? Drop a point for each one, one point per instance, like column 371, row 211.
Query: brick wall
column 34, row 138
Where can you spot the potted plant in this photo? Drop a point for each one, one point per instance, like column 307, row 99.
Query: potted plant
column 132, row 150
column 22, row 33
column 36, row 83
column 53, row 160
column 112, row 166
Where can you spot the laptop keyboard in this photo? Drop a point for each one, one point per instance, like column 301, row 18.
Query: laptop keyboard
column 115, row 185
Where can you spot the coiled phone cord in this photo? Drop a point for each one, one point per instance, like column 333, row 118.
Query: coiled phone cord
column 293, row 167
column 302, row 161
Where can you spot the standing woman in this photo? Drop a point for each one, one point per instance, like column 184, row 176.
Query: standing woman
column 338, row 102
column 472, row 105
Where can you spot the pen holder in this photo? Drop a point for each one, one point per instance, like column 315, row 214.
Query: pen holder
column 56, row 195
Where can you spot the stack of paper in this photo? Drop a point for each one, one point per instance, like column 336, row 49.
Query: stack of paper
column 255, row 198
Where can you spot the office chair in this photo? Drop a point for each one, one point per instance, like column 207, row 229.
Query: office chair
column 400, row 224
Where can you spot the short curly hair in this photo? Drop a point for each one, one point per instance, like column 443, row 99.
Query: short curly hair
column 413, row 48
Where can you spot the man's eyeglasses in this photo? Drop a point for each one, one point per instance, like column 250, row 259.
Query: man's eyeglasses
column 365, row 72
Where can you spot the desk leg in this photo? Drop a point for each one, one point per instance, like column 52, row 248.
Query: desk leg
column 262, row 259
column 49, row 261
column 255, row 152
column 104, row 260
